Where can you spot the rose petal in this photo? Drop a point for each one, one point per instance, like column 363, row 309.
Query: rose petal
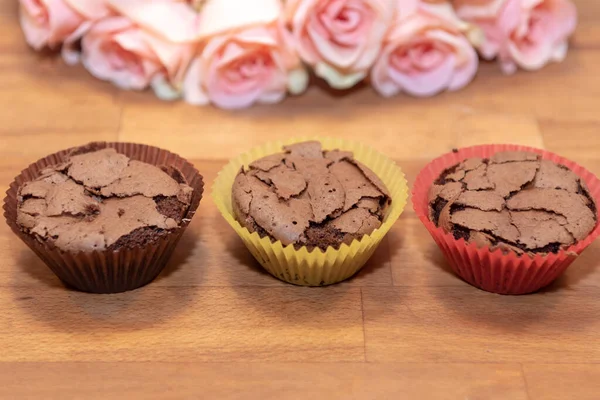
column 35, row 35
column 340, row 57
column 236, row 101
column 371, row 51
column 70, row 51
column 406, row 8
column 91, row 9
column 490, row 46
column 465, row 73
column 232, row 51
column 476, row 9
column 47, row 22
column 564, row 19
column 134, row 42
column 532, row 57
column 511, row 17
column 445, row 11
column 456, row 43
column 175, row 57
column 217, row 16
column 193, row 92
column 173, row 20
column 427, row 83
column 258, row 35
column 380, row 77
column 297, row 12
column 271, row 97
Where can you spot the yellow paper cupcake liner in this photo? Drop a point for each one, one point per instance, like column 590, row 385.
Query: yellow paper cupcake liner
column 314, row 268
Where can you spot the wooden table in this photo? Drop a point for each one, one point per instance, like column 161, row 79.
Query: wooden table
column 214, row 325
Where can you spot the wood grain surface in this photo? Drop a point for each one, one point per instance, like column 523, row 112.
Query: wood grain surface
column 214, row 325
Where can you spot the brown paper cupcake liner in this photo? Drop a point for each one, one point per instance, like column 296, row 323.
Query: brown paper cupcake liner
column 108, row 271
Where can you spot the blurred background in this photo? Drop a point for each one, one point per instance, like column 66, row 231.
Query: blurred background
column 57, row 106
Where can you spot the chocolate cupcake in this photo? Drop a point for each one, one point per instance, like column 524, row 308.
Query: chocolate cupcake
column 509, row 219
column 309, row 197
column 314, row 213
column 515, row 201
column 105, row 217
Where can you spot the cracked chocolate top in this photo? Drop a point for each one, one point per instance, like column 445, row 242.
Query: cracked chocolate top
column 102, row 200
column 514, row 200
column 309, row 197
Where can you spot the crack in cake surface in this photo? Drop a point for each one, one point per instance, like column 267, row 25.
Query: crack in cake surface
column 531, row 204
column 331, row 199
column 100, row 197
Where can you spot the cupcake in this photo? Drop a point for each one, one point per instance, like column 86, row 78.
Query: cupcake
column 309, row 197
column 510, row 220
column 107, row 216
column 311, row 212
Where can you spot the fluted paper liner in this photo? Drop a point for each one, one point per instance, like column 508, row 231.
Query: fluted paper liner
column 108, row 271
column 317, row 267
column 496, row 271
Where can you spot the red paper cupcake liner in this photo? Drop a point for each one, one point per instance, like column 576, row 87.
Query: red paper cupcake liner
column 108, row 271
column 496, row 271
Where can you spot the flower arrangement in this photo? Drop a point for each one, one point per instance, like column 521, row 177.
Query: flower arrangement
column 235, row 53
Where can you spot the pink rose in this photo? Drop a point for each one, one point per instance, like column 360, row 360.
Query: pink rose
column 116, row 50
column 47, row 23
column 424, row 53
column 246, row 59
column 522, row 33
column 340, row 39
